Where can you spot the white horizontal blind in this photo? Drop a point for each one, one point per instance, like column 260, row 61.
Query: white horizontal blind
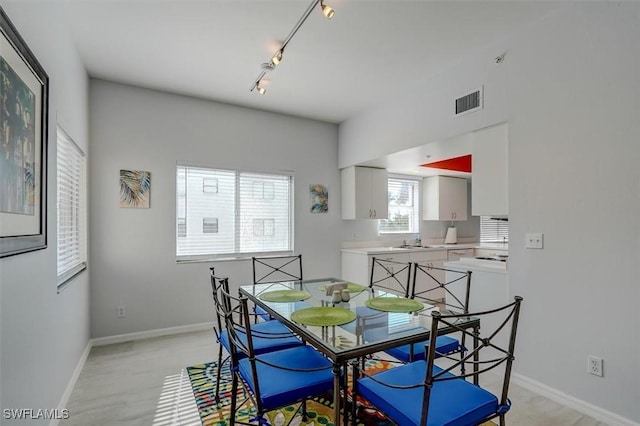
column 404, row 213
column 228, row 213
column 70, row 207
column 493, row 230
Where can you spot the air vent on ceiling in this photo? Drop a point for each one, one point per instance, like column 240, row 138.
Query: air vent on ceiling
column 469, row 103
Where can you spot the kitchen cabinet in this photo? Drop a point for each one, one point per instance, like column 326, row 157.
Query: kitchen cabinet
column 489, row 290
column 490, row 252
column 456, row 254
column 489, row 189
column 444, row 198
column 364, row 193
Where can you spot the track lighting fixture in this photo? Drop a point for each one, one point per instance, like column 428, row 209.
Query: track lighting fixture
column 260, row 83
column 327, row 11
column 275, row 60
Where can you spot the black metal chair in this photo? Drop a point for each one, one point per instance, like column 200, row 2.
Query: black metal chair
column 268, row 336
column 272, row 269
column 270, row 380
column 390, row 275
column 421, row 393
column 432, row 286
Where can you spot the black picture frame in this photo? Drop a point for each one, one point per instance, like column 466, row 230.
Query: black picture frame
column 24, row 118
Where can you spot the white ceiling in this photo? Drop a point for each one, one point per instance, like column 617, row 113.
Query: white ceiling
column 332, row 69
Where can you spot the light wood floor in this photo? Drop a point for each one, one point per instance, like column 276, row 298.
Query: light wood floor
column 144, row 383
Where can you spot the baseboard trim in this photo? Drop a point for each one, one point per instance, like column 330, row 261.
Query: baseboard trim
column 594, row 411
column 159, row 332
column 72, row 382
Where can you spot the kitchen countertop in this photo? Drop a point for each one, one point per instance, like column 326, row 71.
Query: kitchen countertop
column 434, row 247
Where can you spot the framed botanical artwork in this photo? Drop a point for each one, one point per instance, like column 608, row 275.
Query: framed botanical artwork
column 319, row 198
column 24, row 89
column 135, row 188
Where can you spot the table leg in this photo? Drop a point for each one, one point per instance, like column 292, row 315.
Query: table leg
column 336, row 394
column 476, row 356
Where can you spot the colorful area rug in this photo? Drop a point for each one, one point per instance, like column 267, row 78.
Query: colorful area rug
column 319, row 410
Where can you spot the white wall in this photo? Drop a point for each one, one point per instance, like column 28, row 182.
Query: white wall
column 43, row 334
column 570, row 91
column 133, row 250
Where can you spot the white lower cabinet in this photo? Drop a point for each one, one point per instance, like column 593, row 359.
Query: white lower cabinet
column 489, row 290
column 486, row 252
column 456, row 254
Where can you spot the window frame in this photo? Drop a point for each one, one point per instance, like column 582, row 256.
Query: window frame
column 239, row 173
column 417, row 182
column 79, row 206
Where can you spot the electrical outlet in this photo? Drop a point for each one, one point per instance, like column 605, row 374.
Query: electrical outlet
column 121, row 311
column 594, row 365
column 533, row 240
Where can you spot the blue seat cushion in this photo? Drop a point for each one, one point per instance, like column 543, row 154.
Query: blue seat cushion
column 444, row 345
column 279, row 387
column 267, row 336
column 453, row 402
column 262, row 313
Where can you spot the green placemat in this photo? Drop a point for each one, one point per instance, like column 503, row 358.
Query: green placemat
column 284, row 296
column 323, row 316
column 351, row 287
column 394, row 304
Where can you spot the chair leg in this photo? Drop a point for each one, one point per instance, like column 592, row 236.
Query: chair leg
column 354, row 392
column 219, row 373
column 234, row 391
column 304, row 410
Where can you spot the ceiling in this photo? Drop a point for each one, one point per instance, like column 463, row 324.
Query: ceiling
column 331, row 70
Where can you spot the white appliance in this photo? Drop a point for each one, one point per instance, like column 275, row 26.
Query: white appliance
column 452, row 235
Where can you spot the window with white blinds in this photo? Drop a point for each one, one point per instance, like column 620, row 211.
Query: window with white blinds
column 404, row 212
column 247, row 214
column 71, row 209
column 494, row 230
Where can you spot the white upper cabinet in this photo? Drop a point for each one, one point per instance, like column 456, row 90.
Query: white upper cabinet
column 444, row 198
column 364, row 193
column 489, row 187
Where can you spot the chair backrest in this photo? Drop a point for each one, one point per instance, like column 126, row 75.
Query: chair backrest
column 276, row 268
column 493, row 348
column 390, row 275
column 217, row 285
column 236, row 319
column 441, row 287
column 236, row 315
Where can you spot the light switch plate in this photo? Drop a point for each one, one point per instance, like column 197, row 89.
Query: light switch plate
column 533, row 240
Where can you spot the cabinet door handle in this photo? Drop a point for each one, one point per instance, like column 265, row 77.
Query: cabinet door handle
column 369, row 212
column 375, row 214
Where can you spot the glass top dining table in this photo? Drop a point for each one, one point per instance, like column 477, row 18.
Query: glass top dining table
column 354, row 328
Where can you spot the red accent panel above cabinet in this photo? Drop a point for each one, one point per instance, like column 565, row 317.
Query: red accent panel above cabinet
column 459, row 164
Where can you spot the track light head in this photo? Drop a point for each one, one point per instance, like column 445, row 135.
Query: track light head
column 277, row 57
column 327, row 10
column 261, row 84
